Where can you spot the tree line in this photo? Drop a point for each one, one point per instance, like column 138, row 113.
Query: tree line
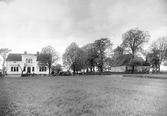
column 99, row 54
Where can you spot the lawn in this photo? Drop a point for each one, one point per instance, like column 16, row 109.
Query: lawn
column 83, row 96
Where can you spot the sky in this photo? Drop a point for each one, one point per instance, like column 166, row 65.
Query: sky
column 30, row 25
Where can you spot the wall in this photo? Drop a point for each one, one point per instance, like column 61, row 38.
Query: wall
column 118, row 69
column 10, row 64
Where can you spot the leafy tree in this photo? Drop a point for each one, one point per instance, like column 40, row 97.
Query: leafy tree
column 160, row 46
column 73, row 58
column 48, row 57
column 101, row 46
column 145, row 53
column 107, row 63
column 90, row 55
column 165, row 62
column 80, row 61
column 4, row 52
column 134, row 39
column 57, row 68
column 153, row 59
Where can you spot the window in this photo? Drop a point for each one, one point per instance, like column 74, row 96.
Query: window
column 28, row 60
column 42, row 69
column 11, row 69
column 33, row 69
column 14, row 69
column 24, row 69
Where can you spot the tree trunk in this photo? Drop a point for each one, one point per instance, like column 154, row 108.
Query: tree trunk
column 91, row 69
column 159, row 68
column 74, row 69
column 49, row 68
column 133, row 67
column 21, row 70
column 3, row 71
column 101, row 68
column 87, row 70
column 133, row 54
column 3, row 68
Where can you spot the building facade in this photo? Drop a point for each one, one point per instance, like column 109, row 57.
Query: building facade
column 26, row 63
column 122, row 63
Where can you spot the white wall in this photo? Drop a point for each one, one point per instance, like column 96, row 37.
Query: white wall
column 10, row 64
column 118, row 69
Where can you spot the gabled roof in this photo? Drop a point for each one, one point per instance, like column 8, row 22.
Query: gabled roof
column 14, row 57
column 125, row 60
column 122, row 60
column 118, row 49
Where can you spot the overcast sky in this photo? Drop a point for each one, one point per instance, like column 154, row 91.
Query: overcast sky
column 29, row 25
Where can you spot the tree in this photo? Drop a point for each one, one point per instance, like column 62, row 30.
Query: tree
column 57, row 68
column 160, row 46
column 101, row 46
column 153, row 59
column 145, row 53
column 90, row 55
column 73, row 58
column 80, row 60
column 134, row 39
column 48, row 57
column 4, row 52
column 107, row 63
column 22, row 70
column 165, row 62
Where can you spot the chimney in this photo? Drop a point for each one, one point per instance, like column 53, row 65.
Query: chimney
column 25, row 52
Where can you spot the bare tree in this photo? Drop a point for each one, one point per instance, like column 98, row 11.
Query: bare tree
column 73, row 58
column 57, row 69
column 134, row 39
column 4, row 52
column 101, row 46
column 91, row 56
column 153, row 59
column 48, row 57
column 22, row 69
column 160, row 45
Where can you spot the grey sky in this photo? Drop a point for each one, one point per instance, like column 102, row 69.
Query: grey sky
column 29, row 25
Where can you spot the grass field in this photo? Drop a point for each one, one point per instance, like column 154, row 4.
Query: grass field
column 83, row 96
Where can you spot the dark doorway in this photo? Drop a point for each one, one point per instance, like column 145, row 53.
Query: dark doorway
column 28, row 70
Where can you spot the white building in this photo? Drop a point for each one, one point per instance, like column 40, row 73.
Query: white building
column 15, row 63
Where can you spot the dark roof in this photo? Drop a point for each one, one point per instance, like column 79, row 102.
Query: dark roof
column 14, row 57
column 125, row 60
column 122, row 60
column 118, row 49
